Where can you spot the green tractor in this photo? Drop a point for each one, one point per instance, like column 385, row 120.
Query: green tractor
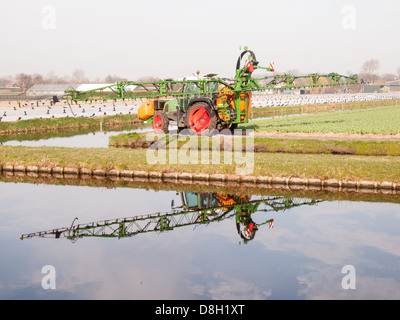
column 195, row 111
column 206, row 104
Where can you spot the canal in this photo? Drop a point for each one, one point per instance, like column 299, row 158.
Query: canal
column 134, row 240
column 89, row 138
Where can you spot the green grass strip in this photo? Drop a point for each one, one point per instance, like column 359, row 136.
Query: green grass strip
column 319, row 108
column 384, row 120
column 321, row 166
column 305, row 146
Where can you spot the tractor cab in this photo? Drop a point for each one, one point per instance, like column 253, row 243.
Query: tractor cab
column 197, row 201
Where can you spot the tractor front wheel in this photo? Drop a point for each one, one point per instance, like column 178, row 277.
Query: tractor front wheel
column 160, row 122
column 200, row 118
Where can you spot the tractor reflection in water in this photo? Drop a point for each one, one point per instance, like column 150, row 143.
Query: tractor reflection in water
column 242, row 206
column 196, row 208
column 226, row 203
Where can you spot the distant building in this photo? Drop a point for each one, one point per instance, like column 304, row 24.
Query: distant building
column 372, row 88
column 10, row 91
column 394, row 86
column 40, row 90
column 12, row 85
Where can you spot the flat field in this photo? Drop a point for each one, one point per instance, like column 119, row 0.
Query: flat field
column 275, row 155
column 383, row 120
column 322, row 166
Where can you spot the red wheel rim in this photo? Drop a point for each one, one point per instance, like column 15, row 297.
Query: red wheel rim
column 199, row 119
column 157, row 123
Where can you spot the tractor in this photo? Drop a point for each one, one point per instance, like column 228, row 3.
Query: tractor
column 209, row 103
column 206, row 104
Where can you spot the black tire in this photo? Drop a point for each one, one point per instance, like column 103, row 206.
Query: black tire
column 180, row 129
column 160, row 122
column 233, row 126
column 209, row 116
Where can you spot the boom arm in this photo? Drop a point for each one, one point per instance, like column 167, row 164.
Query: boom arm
column 159, row 222
column 243, row 82
column 170, row 88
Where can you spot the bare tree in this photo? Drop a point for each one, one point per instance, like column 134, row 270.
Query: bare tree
column 79, row 76
column 37, row 78
column 24, row 81
column 4, row 81
column 398, row 71
column 369, row 70
column 53, row 78
column 148, row 79
column 293, row 72
column 388, row 77
column 113, row 79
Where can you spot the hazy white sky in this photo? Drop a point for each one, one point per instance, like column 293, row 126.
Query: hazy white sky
column 174, row 38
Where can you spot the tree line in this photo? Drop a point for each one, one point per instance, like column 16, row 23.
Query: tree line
column 369, row 73
column 26, row 81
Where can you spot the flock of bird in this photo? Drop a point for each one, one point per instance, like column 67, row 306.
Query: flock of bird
column 16, row 110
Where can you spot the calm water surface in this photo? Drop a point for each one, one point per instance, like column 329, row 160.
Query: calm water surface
column 97, row 139
column 241, row 254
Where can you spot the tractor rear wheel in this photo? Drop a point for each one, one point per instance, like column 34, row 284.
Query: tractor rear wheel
column 200, row 118
column 233, row 127
column 160, row 122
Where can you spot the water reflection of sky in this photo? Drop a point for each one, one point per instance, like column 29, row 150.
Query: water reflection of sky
column 300, row 258
column 98, row 139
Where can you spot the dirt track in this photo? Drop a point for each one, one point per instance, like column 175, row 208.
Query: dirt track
column 329, row 136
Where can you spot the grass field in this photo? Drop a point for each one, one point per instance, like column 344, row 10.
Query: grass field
column 383, row 120
column 302, row 158
column 311, row 146
column 323, row 166
column 319, row 108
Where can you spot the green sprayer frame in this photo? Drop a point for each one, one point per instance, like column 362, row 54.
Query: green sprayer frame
column 172, row 88
column 178, row 97
column 243, row 82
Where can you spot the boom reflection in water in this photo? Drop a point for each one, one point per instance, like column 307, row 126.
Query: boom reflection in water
column 195, row 209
